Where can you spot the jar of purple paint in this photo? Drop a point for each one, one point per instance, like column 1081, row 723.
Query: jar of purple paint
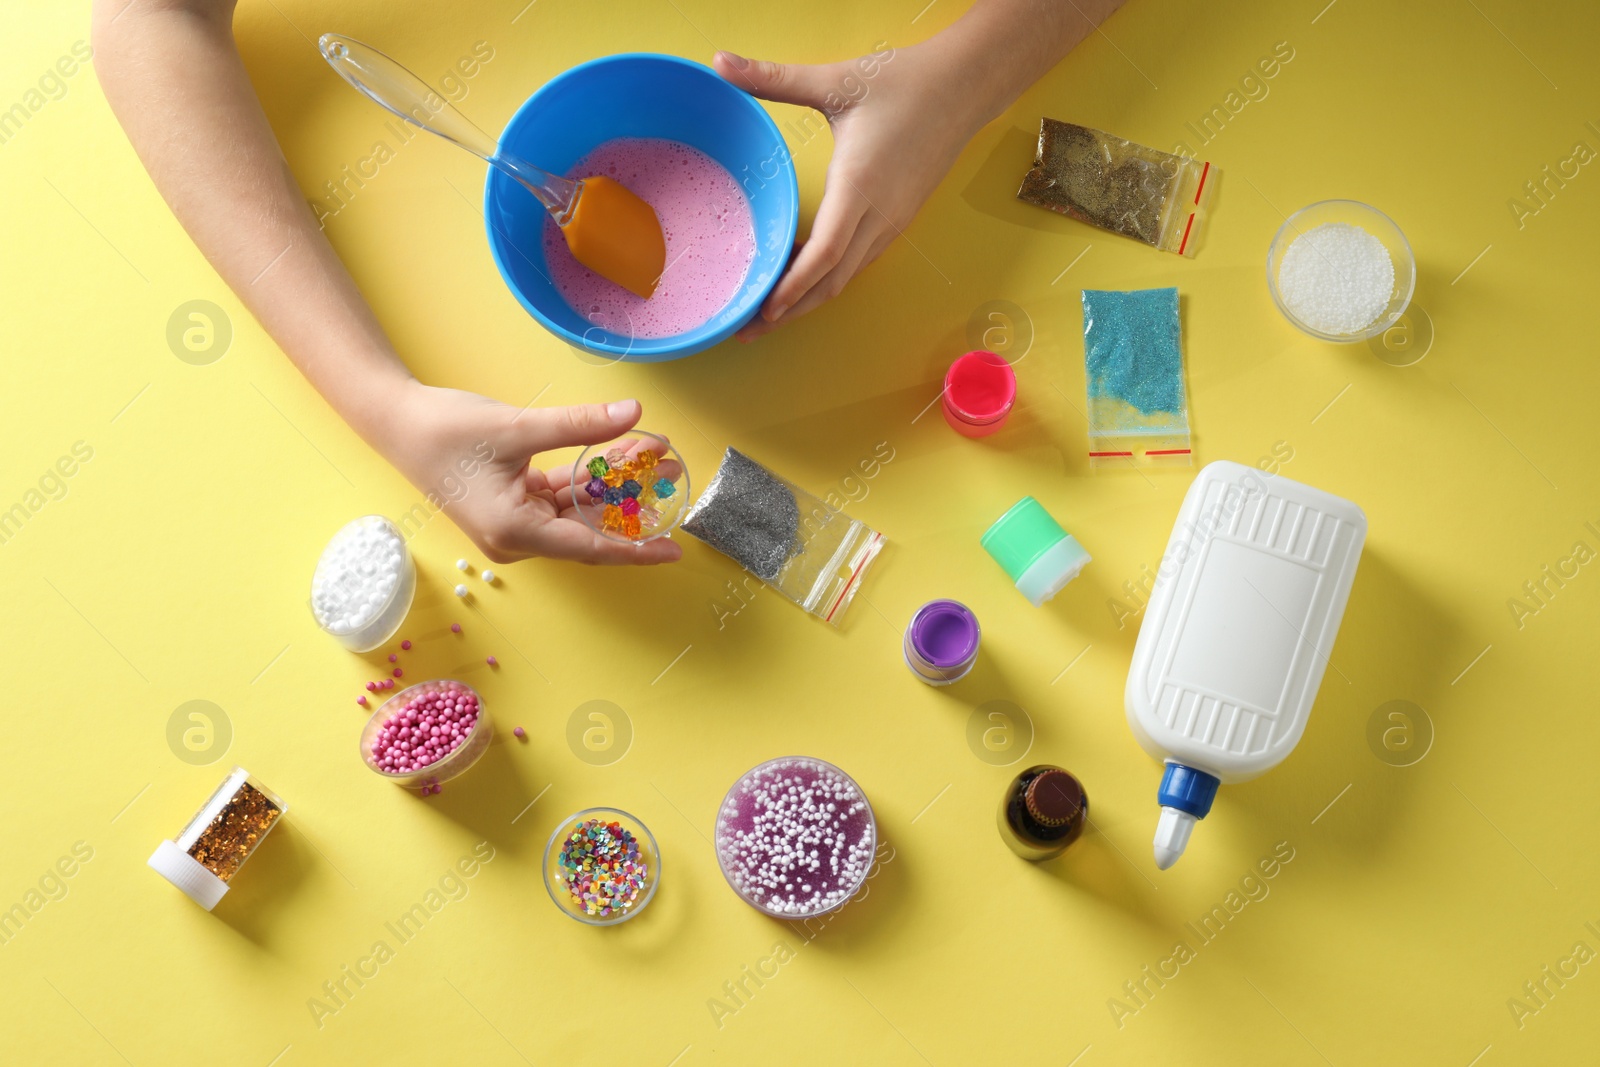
column 941, row 643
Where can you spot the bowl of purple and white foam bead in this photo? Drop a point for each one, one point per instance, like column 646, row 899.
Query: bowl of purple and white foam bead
column 796, row 837
column 427, row 733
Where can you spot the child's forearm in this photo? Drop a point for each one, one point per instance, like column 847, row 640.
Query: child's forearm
column 171, row 72
column 1001, row 47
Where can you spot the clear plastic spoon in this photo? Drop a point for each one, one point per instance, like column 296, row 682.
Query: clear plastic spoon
column 608, row 228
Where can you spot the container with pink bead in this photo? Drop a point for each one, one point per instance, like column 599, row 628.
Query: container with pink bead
column 427, row 734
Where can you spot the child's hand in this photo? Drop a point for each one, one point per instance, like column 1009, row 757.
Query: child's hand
column 896, row 132
column 173, row 75
column 471, row 454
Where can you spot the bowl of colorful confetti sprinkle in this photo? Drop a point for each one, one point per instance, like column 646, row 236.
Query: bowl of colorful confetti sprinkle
column 601, row 866
column 632, row 489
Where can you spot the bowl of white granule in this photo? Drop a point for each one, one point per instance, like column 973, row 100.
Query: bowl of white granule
column 1341, row 270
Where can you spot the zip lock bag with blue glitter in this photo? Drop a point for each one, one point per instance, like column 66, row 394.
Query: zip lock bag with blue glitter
column 1241, row 621
column 1133, row 364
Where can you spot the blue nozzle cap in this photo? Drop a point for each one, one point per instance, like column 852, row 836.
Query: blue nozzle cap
column 1188, row 790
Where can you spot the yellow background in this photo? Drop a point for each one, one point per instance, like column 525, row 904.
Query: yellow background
column 175, row 568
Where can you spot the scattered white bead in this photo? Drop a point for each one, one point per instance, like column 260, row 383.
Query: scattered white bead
column 461, row 590
column 462, row 565
column 1336, row 278
column 488, row 576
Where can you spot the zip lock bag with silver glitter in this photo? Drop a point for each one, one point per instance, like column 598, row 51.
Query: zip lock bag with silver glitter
column 1143, row 193
column 810, row 552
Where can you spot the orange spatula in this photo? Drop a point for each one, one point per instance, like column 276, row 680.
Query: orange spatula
column 609, row 229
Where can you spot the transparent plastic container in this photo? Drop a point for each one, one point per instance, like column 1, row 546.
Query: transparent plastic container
column 829, row 891
column 203, row 859
column 1373, row 221
column 378, row 625
column 454, row 764
column 556, row 876
column 657, row 514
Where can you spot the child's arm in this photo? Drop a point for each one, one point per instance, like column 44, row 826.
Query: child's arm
column 176, row 83
column 900, row 119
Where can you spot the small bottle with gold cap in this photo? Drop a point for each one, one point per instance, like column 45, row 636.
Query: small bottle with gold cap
column 1042, row 812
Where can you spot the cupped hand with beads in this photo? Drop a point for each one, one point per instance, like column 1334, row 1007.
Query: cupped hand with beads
column 172, row 74
column 478, row 460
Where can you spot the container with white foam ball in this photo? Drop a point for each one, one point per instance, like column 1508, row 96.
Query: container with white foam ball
column 364, row 584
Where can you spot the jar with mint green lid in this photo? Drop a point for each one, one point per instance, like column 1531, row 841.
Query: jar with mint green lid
column 1033, row 549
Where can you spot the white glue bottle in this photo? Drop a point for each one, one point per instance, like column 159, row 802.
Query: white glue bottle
column 1245, row 608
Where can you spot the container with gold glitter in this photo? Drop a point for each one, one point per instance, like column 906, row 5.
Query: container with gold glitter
column 1144, row 193
column 221, row 837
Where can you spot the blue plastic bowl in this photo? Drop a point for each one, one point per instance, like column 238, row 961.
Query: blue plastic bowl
column 640, row 95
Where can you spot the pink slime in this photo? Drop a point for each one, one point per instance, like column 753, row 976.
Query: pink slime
column 711, row 240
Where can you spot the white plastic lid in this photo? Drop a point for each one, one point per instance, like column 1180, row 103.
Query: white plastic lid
column 188, row 874
column 1050, row 573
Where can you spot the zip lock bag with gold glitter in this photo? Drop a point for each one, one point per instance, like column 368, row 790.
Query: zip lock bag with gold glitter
column 1152, row 196
column 223, row 834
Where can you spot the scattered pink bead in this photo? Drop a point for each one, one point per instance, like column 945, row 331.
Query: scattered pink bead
column 372, row 687
column 455, row 627
column 430, row 726
column 393, row 657
column 520, row 732
column 405, row 646
column 491, row 661
column 388, row 683
column 398, row 672
column 362, row 701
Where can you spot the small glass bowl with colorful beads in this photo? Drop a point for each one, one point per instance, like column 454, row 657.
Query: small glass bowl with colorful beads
column 601, row 866
column 632, row 489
